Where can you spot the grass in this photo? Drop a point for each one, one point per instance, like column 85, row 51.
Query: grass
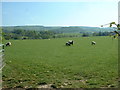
column 31, row 63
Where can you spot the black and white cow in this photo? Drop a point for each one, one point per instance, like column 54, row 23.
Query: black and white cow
column 67, row 44
column 71, row 42
column 93, row 43
column 8, row 44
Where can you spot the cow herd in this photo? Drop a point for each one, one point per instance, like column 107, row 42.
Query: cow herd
column 71, row 42
column 68, row 43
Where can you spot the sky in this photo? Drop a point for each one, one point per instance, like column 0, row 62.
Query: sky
column 89, row 13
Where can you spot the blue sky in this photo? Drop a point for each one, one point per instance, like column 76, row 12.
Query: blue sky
column 59, row 13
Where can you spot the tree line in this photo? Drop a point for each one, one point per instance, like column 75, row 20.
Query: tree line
column 25, row 34
column 97, row 34
column 32, row 34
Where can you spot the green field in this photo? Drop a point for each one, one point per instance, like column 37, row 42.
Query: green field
column 33, row 63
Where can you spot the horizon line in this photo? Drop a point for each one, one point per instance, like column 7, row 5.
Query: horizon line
column 50, row 25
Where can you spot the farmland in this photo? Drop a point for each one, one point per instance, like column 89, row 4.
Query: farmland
column 33, row 63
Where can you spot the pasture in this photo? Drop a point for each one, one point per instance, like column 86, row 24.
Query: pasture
column 34, row 63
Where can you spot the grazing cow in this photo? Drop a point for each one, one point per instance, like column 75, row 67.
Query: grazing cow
column 8, row 44
column 67, row 44
column 71, row 42
column 93, row 43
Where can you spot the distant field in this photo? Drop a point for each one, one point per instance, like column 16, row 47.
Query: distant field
column 34, row 63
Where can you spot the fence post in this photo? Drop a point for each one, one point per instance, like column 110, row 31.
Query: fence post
column 2, row 63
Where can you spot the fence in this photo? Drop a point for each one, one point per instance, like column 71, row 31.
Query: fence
column 2, row 61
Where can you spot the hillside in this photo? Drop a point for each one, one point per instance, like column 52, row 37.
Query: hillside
column 70, row 29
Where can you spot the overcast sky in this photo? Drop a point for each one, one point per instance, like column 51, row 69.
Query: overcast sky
column 88, row 13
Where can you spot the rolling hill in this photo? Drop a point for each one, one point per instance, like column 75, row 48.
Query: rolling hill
column 69, row 29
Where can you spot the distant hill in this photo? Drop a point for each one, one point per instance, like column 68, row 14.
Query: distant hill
column 59, row 29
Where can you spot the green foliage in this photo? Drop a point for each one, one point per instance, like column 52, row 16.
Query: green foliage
column 0, row 35
column 64, row 35
column 117, row 27
column 23, row 34
column 70, row 29
column 41, row 32
column 30, row 63
column 85, row 35
column 101, row 34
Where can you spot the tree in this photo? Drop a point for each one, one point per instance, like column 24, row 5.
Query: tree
column 85, row 35
column 117, row 27
column 95, row 34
